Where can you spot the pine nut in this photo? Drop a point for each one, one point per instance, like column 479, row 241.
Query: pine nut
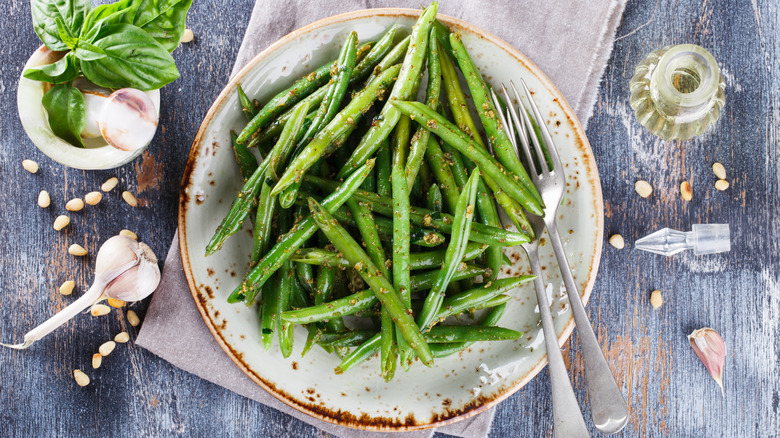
column 719, row 170
column 187, row 36
column 81, row 378
column 129, row 198
column 122, row 337
column 75, row 204
column 617, row 241
column 129, row 234
column 44, row 200
column 61, row 222
column 133, row 319
column 721, row 184
column 109, row 184
column 656, row 299
column 93, row 198
column 67, row 287
column 77, row 250
column 30, row 166
column 685, row 191
column 97, row 360
column 113, row 302
column 107, row 348
column 643, row 188
column 100, row 310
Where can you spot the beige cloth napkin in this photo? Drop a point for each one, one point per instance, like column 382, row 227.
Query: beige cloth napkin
column 569, row 40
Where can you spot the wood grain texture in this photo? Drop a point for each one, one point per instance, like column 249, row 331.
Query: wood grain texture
column 136, row 394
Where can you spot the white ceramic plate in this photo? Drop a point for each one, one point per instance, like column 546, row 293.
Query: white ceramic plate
column 455, row 387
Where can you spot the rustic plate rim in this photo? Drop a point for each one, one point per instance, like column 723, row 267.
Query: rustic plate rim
column 593, row 175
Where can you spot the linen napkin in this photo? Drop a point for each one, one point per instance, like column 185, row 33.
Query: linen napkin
column 569, row 40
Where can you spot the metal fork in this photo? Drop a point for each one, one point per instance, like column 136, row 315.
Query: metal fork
column 607, row 405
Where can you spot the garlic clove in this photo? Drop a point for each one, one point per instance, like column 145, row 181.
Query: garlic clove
column 128, row 120
column 711, row 350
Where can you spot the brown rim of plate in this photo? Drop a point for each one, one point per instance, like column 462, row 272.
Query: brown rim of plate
column 382, row 424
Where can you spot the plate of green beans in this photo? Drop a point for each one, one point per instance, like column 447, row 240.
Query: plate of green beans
column 351, row 216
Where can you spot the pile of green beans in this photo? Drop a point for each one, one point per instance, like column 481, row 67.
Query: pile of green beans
column 374, row 222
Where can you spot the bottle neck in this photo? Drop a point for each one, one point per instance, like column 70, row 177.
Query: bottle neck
column 685, row 82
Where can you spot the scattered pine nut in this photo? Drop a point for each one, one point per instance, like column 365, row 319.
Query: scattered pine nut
column 643, row 188
column 74, row 204
column 617, row 241
column 109, row 184
column 129, row 234
column 77, row 250
column 129, row 198
column 719, row 170
column 61, row 222
column 133, row 319
column 122, row 337
column 44, row 200
column 656, row 299
column 100, row 310
column 721, row 184
column 107, row 348
column 67, row 287
column 685, row 191
column 93, row 198
column 187, row 36
column 97, row 360
column 81, row 378
column 113, row 302
column 30, row 166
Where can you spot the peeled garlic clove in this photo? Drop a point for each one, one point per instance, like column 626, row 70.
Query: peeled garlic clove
column 128, row 120
column 93, row 108
column 711, row 350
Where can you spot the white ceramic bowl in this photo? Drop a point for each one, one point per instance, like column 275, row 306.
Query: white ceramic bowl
column 455, row 387
column 97, row 155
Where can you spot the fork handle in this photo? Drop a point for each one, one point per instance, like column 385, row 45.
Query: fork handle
column 607, row 405
column 567, row 417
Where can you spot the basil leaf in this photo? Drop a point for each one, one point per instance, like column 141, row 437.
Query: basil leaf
column 89, row 52
column 65, row 35
column 164, row 20
column 122, row 11
column 64, row 70
column 46, row 12
column 67, row 116
column 133, row 59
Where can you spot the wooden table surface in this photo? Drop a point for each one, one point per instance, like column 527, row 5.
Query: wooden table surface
column 135, row 393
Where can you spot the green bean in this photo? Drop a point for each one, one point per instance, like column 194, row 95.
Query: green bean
column 288, row 243
column 401, row 228
column 465, row 145
column 360, row 354
column 417, row 260
column 491, row 319
column 391, row 58
column 420, row 139
column 285, row 99
column 239, row 210
column 305, row 275
column 341, row 73
column 384, row 167
column 457, row 101
column 284, row 145
column 488, row 115
column 299, row 298
column 374, row 57
column 246, row 103
column 469, row 333
column 373, row 277
column 461, row 228
column 473, row 298
column 342, row 123
column 421, row 216
column 247, row 163
column 405, row 88
column 434, row 199
column 440, row 167
column 351, row 338
column 286, row 278
column 275, row 128
column 269, row 321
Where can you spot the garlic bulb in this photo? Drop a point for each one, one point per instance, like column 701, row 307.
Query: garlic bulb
column 125, row 269
column 128, row 119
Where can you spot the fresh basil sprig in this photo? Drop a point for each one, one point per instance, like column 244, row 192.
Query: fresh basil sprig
column 45, row 14
column 65, row 105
